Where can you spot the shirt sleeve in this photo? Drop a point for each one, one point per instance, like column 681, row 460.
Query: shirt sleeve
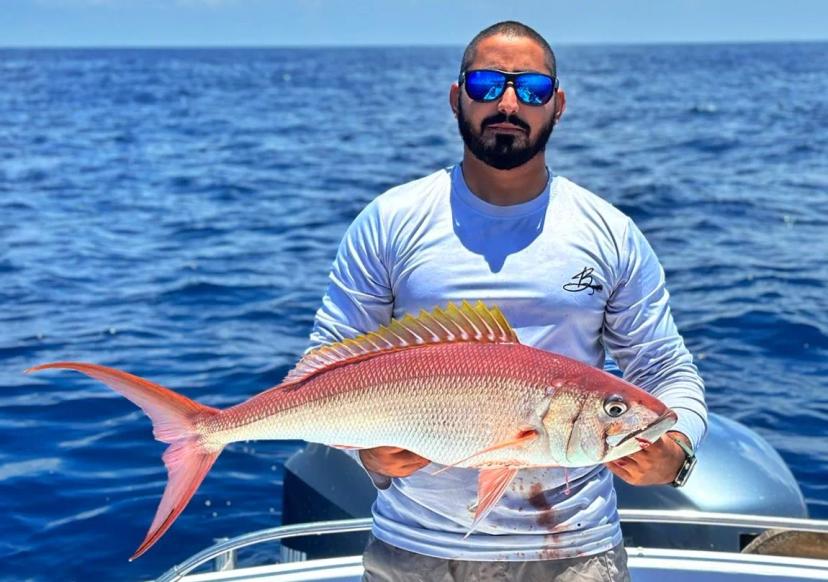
column 358, row 298
column 640, row 335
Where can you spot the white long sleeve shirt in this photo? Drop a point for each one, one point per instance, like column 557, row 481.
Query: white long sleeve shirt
column 572, row 275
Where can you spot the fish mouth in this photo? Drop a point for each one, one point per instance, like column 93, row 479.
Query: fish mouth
column 659, row 426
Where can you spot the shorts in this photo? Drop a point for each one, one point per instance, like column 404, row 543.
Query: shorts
column 387, row 563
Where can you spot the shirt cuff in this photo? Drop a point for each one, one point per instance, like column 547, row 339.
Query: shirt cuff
column 691, row 425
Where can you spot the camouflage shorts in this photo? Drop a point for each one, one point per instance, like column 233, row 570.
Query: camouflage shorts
column 386, row 563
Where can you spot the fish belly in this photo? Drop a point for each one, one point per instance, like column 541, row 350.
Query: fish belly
column 440, row 402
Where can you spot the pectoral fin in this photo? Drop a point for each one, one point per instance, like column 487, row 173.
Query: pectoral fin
column 523, row 438
column 491, row 485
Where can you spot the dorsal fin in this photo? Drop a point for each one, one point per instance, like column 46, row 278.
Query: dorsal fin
column 467, row 323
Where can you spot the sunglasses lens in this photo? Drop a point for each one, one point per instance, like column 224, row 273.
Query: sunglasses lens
column 534, row 89
column 485, row 85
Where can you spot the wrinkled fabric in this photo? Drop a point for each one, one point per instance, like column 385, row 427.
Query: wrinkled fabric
column 573, row 275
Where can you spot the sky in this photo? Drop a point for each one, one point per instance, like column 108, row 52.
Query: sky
column 70, row 23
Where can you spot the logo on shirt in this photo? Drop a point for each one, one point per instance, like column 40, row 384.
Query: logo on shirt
column 583, row 281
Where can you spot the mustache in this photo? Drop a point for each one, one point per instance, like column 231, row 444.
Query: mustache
column 503, row 118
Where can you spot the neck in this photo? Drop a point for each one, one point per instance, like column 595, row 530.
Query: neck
column 505, row 187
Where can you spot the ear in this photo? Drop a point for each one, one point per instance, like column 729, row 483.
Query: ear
column 560, row 104
column 454, row 96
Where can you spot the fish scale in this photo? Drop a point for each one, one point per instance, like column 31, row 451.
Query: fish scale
column 453, row 385
column 419, row 398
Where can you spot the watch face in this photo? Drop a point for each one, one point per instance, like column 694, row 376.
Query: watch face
column 684, row 472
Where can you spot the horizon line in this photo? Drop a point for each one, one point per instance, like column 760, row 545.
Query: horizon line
column 400, row 45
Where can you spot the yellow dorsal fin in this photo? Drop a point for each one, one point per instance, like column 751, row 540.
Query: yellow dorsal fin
column 466, row 323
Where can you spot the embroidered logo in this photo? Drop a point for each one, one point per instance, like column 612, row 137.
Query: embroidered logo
column 583, row 281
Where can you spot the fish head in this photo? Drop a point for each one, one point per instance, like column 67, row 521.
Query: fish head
column 602, row 418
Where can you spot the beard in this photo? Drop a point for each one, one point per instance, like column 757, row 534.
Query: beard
column 502, row 151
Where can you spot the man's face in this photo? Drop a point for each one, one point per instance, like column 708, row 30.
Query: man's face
column 506, row 133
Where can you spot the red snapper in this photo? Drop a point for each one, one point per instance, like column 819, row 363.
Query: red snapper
column 454, row 386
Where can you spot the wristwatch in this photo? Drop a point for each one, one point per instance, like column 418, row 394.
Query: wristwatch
column 686, row 467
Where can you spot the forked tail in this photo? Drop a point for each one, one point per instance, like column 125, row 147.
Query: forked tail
column 174, row 419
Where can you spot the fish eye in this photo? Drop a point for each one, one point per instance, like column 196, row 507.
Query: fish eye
column 615, row 406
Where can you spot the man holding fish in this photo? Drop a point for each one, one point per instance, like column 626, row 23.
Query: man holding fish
column 573, row 276
column 486, row 421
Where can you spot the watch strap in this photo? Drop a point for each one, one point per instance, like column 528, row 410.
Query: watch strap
column 688, row 464
column 684, row 447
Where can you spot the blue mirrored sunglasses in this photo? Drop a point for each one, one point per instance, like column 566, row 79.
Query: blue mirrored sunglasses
column 488, row 84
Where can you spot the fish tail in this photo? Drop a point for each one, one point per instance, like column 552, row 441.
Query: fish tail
column 175, row 420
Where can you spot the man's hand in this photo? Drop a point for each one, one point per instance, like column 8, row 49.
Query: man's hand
column 392, row 461
column 657, row 464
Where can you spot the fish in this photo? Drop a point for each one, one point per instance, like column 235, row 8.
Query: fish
column 453, row 385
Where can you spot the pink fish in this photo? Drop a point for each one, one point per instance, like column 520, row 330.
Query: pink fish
column 454, row 386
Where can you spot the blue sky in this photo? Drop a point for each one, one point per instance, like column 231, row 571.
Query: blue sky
column 406, row 22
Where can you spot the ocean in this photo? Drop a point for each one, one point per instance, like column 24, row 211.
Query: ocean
column 175, row 213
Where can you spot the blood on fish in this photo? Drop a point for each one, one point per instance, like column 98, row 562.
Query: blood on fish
column 643, row 442
column 407, row 383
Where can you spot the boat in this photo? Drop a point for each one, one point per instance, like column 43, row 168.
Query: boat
column 646, row 564
column 741, row 517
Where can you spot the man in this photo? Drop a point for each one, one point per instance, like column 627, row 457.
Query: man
column 572, row 275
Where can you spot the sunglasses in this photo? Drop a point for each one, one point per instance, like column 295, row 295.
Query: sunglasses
column 487, row 85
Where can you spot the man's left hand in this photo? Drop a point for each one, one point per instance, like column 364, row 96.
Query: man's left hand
column 658, row 464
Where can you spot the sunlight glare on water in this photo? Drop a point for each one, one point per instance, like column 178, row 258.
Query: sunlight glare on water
column 175, row 212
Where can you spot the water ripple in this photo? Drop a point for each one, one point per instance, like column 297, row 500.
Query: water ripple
column 175, row 213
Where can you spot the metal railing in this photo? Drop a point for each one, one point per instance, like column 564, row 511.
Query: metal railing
column 224, row 551
column 227, row 548
column 691, row 517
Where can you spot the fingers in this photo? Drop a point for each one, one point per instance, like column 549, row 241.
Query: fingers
column 414, row 465
column 392, row 461
column 396, row 453
column 623, row 469
column 405, row 463
column 655, row 465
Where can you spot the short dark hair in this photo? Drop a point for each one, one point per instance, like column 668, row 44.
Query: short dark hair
column 514, row 29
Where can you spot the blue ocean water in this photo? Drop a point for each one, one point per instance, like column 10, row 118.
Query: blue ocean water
column 174, row 213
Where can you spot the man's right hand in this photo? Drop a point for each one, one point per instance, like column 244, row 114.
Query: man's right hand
column 392, row 461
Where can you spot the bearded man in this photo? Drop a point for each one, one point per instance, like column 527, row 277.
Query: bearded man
column 572, row 274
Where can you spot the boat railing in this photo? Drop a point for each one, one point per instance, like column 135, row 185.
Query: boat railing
column 223, row 553
column 691, row 517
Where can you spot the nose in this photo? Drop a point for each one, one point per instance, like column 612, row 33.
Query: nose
column 508, row 103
